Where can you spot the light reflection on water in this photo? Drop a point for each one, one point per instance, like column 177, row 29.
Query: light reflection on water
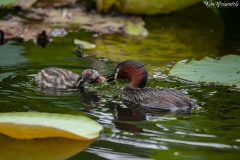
column 205, row 144
column 110, row 154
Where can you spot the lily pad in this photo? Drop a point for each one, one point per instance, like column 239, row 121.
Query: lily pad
column 25, row 125
column 225, row 71
column 143, row 6
column 4, row 3
column 12, row 148
column 84, row 44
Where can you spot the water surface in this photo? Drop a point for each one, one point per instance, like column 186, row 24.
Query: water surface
column 210, row 132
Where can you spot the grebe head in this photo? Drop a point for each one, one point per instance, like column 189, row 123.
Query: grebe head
column 88, row 76
column 131, row 70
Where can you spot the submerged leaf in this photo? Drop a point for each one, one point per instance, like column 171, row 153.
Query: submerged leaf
column 171, row 38
column 224, row 71
column 84, row 44
column 135, row 28
column 25, row 125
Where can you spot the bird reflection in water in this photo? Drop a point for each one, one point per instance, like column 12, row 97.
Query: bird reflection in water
column 121, row 114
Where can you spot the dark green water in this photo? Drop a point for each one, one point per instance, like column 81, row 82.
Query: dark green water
column 211, row 132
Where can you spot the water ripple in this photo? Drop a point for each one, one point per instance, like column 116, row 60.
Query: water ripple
column 205, row 144
column 110, row 154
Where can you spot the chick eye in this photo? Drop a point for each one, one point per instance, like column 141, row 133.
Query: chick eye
column 90, row 79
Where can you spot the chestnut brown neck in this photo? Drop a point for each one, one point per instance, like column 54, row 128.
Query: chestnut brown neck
column 133, row 71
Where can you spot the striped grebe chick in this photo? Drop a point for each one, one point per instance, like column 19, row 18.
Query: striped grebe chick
column 62, row 78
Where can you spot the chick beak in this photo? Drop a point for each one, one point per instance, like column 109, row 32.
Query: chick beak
column 100, row 79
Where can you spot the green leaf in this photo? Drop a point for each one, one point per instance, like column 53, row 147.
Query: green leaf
column 83, row 44
column 6, row 2
column 144, row 6
column 225, row 71
column 135, row 28
column 29, row 125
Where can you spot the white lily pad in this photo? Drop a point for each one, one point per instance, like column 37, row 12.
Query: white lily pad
column 225, row 71
column 30, row 125
column 84, row 44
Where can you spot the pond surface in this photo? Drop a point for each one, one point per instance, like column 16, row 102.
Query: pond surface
column 210, row 132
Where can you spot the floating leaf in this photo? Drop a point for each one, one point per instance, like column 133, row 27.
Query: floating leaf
column 143, row 6
column 225, row 71
column 25, row 4
column 12, row 148
column 27, row 125
column 83, row 44
column 7, row 2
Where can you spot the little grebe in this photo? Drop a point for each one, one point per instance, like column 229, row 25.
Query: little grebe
column 62, row 78
column 152, row 99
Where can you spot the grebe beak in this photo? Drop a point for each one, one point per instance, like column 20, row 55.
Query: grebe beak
column 110, row 77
